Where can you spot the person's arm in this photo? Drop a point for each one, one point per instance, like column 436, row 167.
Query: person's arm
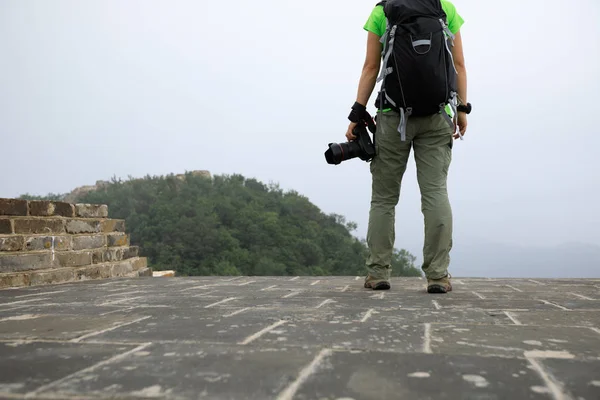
column 461, row 80
column 459, row 63
column 368, row 77
column 370, row 70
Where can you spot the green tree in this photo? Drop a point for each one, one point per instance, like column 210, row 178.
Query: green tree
column 232, row 225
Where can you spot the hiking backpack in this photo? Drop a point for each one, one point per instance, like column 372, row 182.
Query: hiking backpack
column 418, row 74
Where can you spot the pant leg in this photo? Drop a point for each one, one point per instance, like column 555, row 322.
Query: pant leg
column 387, row 169
column 433, row 154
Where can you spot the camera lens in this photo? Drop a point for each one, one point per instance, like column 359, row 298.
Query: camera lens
column 335, row 153
column 339, row 152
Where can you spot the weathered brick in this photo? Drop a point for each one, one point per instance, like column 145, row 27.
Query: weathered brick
column 122, row 268
column 13, row 207
column 97, row 256
column 101, row 271
column 6, row 226
column 111, row 255
column 145, row 272
column 117, row 239
column 12, row 243
column 51, row 208
column 36, row 243
column 76, row 226
column 14, row 280
column 39, row 225
column 131, row 252
column 113, row 225
column 58, row 275
column 11, row 262
column 89, row 242
column 139, row 263
column 91, row 210
column 73, row 259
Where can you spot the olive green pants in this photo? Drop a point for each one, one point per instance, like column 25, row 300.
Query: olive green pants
column 431, row 138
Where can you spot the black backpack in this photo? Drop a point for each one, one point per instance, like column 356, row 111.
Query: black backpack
column 418, row 73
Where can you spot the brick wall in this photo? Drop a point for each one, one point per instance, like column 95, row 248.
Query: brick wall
column 43, row 242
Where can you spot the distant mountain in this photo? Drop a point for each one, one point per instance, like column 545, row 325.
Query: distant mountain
column 570, row 260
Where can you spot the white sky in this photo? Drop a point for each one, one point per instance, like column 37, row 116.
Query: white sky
column 90, row 89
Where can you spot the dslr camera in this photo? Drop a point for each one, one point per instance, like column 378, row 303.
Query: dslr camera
column 361, row 147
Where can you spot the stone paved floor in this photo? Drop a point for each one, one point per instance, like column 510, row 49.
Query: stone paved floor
column 301, row 338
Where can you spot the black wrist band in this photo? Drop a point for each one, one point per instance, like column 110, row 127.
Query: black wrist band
column 464, row 108
column 358, row 112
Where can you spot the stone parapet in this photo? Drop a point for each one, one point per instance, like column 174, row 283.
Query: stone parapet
column 43, row 242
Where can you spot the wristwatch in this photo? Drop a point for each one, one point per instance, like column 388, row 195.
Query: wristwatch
column 464, row 108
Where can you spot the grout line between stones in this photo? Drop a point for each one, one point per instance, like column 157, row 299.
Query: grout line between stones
column 118, row 310
column 220, row 302
column 537, row 282
column 110, row 303
column 326, row 301
column 40, row 294
column 427, row 339
column 258, row 334
column 22, row 302
column 236, row 312
column 555, row 305
column 291, row 294
column 555, row 387
column 112, row 328
column 88, row 369
column 367, row 315
column 595, row 329
column 290, row 391
column 514, row 288
column 581, row 296
column 512, row 318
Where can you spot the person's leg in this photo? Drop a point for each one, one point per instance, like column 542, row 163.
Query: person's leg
column 387, row 169
column 433, row 154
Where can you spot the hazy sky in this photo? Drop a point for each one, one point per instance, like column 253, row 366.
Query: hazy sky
column 92, row 89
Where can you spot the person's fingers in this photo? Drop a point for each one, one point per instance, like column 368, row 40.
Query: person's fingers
column 461, row 132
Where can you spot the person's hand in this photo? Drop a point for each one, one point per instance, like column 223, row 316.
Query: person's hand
column 462, row 125
column 349, row 135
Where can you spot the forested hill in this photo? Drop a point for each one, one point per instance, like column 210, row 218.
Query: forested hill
column 231, row 225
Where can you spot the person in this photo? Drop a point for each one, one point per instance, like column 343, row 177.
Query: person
column 432, row 138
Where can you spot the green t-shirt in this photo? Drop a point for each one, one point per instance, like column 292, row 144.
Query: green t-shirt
column 377, row 22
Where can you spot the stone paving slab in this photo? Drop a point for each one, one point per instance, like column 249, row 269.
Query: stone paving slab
column 223, row 372
column 580, row 378
column 287, row 338
column 553, row 317
column 579, row 304
column 493, row 304
column 514, row 340
column 59, row 327
column 379, row 375
column 452, row 316
column 388, row 336
column 27, row 366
